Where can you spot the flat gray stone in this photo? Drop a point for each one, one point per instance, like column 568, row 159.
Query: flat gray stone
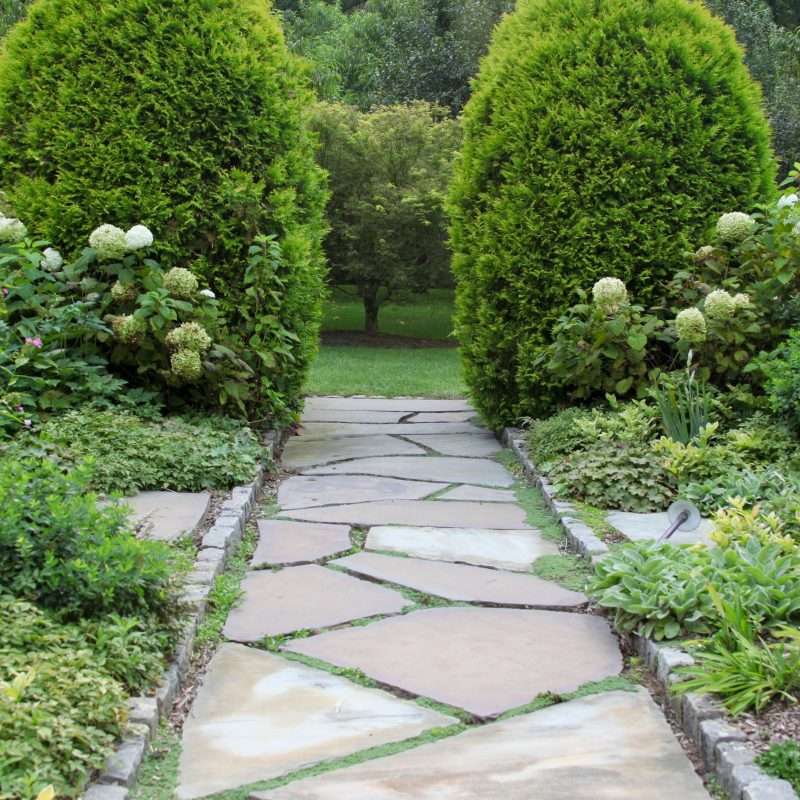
column 504, row 549
column 478, row 444
column 613, row 746
column 355, row 415
column 168, row 515
column 434, row 513
column 258, row 716
column 443, row 416
column 405, row 404
column 443, row 469
column 479, row 494
column 463, row 583
column 331, row 430
column 485, row 660
column 285, row 542
column 305, row 491
column 300, row 453
column 300, row 598
column 640, row 527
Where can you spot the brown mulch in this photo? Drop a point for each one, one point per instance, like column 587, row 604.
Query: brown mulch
column 779, row 723
column 361, row 339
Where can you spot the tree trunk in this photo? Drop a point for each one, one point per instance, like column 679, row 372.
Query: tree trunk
column 371, row 309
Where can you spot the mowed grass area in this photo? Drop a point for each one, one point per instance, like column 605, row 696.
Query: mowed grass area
column 404, row 368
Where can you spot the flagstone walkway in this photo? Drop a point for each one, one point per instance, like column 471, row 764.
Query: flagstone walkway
column 391, row 600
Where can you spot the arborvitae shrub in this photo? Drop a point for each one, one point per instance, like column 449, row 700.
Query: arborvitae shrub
column 603, row 137
column 188, row 116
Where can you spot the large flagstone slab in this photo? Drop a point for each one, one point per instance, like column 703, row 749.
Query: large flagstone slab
column 480, row 471
column 301, row 598
column 168, row 515
column 643, row 527
column 357, row 415
column 286, row 542
column 300, row 453
column 304, row 491
column 477, row 444
column 404, row 404
column 434, row 513
column 330, row 430
column 479, row 494
column 504, row 549
column 258, row 716
column 484, row 660
column 463, row 583
column 612, row 746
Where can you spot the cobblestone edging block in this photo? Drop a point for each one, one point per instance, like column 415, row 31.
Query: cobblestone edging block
column 145, row 713
column 724, row 748
column 581, row 538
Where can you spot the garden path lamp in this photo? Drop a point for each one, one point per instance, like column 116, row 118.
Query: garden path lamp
column 683, row 516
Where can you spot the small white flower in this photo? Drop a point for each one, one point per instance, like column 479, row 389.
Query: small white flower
column 12, row 230
column 735, row 227
column 108, row 242
column 788, row 200
column 138, row 237
column 52, row 259
column 208, row 293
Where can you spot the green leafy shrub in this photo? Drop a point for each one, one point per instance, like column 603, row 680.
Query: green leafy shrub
column 571, row 170
column 60, row 712
column 782, row 760
column 557, row 436
column 59, row 550
column 186, row 116
column 782, row 370
column 129, row 454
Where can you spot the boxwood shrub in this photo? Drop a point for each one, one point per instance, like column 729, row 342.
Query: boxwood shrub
column 603, row 138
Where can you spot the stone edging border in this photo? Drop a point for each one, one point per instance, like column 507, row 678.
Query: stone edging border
column 146, row 712
column 724, row 748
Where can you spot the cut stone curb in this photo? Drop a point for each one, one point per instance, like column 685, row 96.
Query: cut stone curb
column 307, row 491
column 301, row 453
column 285, row 542
column 478, row 444
column 299, row 598
column 443, row 469
column 462, row 583
column 455, row 514
column 479, row 494
column 504, row 549
column 258, row 716
column 406, row 404
column 335, row 430
column 167, row 516
column 484, row 660
column 613, row 746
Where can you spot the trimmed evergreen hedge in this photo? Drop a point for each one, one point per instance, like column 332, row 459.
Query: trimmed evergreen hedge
column 188, row 116
column 603, row 137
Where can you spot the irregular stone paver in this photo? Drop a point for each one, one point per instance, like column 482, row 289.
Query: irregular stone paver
column 298, row 598
column 322, row 490
column 168, row 515
column 405, row 404
column 362, row 416
column 258, row 716
column 471, row 445
column 435, row 513
column 285, row 542
column 641, row 527
column 485, row 660
column 613, row 746
column 444, row 469
column 505, row 549
column 300, row 453
column 463, row 583
column 479, row 494
column 329, row 430
column 443, row 416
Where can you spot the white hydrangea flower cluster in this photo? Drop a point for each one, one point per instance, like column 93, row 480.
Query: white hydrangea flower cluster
column 208, row 293
column 741, row 300
column 12, row 230
column 704, row 253
column 123, row 292
column 181, row 283
column 138, row 237
column 128, row 329
column 719, row 306
column 788, row 201
column 186, row 365
column 52, row 259
column 108, row 241
column 691, row 326
column 189, row 336
column 735, row 227
column 610, row 294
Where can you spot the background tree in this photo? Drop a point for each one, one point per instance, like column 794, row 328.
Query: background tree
column 389, row 170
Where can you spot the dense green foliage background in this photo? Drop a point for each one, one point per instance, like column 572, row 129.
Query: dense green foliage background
column 640, row 127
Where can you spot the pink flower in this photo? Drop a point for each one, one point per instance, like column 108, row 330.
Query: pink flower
column 5, row 292
column 35, row 342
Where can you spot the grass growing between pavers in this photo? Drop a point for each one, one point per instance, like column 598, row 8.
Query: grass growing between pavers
column 158, row 776
column 569, row 571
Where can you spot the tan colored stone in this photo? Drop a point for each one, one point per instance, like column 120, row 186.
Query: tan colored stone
column 168, row 515
column 612, row 746
column 479, row 494
column 285, row 542
column 478, row 444
column 331, row 430
column 435, row 513
column 504, row 549
column 444, row 469
column 485, row 660
column 258, row 716
column 301, row 598
column 408, row 405
column 300, row 453
column 305, row 491
column 464, row 583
